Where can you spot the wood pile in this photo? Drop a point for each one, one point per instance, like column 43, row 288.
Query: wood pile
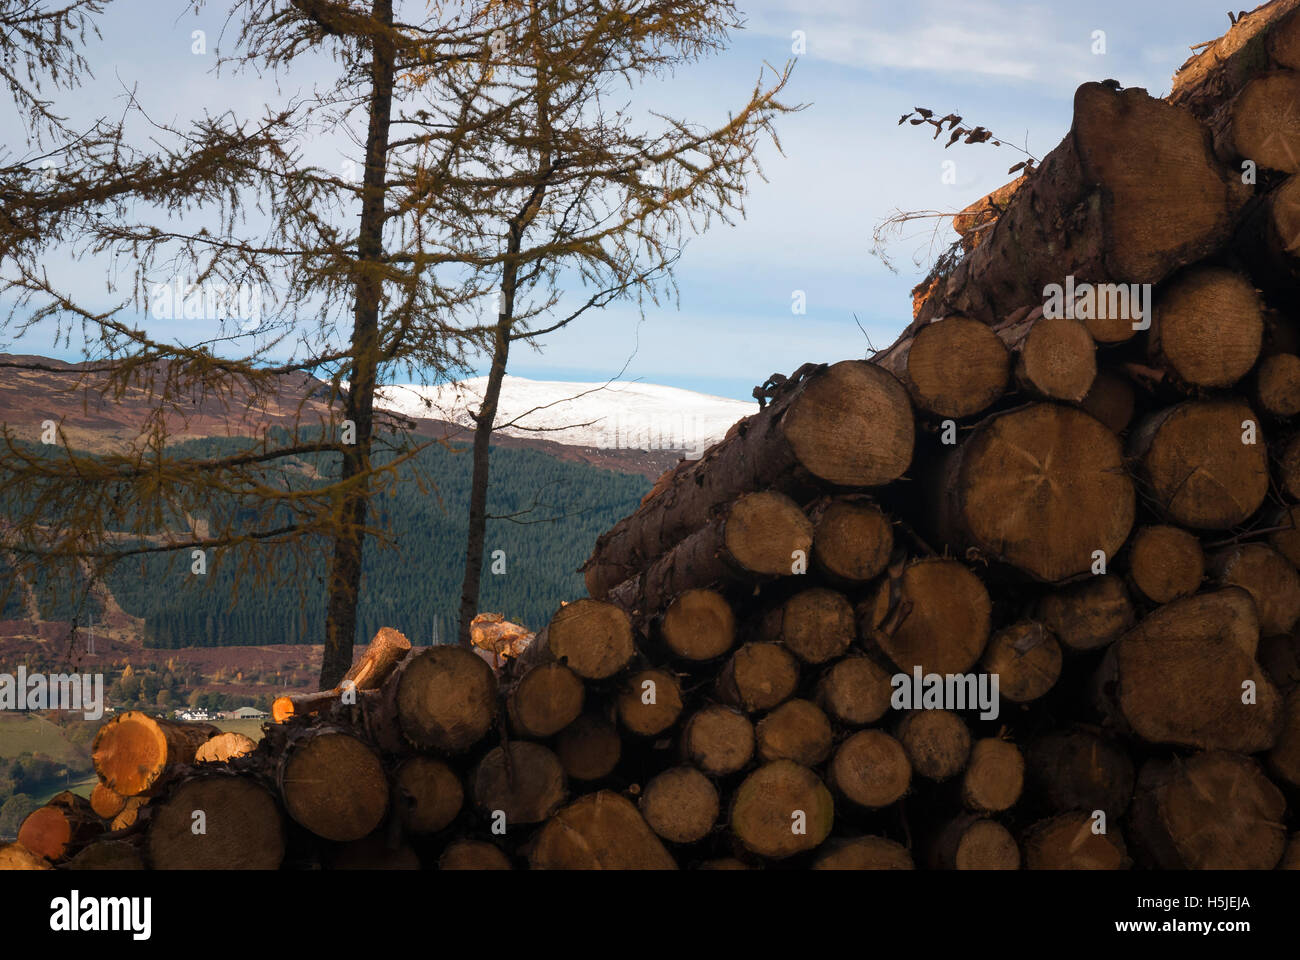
column 1050, row 479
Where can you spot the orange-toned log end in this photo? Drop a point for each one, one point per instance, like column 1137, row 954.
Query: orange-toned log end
column 224, row 747
column 59, row 829
column 106, row 803
column 135, row 753
column 281, row 709
column 14, row 856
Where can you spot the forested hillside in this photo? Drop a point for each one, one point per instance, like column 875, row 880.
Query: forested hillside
column 557, row 509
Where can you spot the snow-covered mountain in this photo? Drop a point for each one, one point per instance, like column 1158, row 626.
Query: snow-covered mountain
column 621, row 415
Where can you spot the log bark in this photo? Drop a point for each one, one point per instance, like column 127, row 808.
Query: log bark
column 589, row 748
column 681, row 805
column 758, row 536
column 1199, row 464
column 758, row 677
column 473, row 855
column 698, row 625
column 1165, row 563
column 1268, row 577
column 719, row 740
column 994, row 776
column 955, row 367
column 1080, row 770
column 523, row 780
column 650, row 702
column 136, row 754
column 937, row 743
column 1179, row 677
column 863, row 853
column 242, row 827
column 58, row 830
column 1088, row 615
column 546, row 699
column 600, row 831
column 971, row 842
column 870, row 769
column 376, row 664
column 223, row 748
column 855, row 691
column 1067, row 842
column 428, row 795
column 1040, row 488
column 1211, row 811
column 936, row 615
column 782, row 809
column 1091, row 210
column 849, row 424
column 796, row 730
column 108, row 855
column 816, row 625
column 1207, row 327
column 852, row 539
column 1027, row 660
column 444, row 699
column 333, row 784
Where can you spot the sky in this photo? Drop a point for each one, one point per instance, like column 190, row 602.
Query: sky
column 846, row 164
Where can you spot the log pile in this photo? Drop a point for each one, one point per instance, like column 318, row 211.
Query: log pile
column 1057, row 478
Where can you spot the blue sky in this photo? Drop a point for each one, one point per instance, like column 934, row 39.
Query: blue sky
column 847, row 165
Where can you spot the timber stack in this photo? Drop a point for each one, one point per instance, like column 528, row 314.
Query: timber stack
column 1077, row 471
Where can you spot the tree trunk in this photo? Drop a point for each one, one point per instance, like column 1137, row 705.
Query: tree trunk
column 936, row 615
column 1091, row 211
column 719, row 740
column 1041, row 488
column 241, row 827
column 1211, row 811
column 849, row 424
column 522, row 780
column 106, row 803
column 136, row 754
column 358, row 403
column 680, row 804
column 953, row 368
column 378, row 662
column 782, row 809
column 1208, row 327
column 333, row 784
column 600, row 831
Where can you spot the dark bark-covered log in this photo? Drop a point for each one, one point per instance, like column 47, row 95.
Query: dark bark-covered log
column 106, row 802
column 719, row 740
column 758, row 677
column 428, row 795
column 650, row 702
column 1179, row 677
column 1054, row 357
column 1068, row 842
column 796, row 730
column 1268, row 577
column 1280, row 658
column 852, row 539
column 855, row 691
column 546, row 699
column 376, row 852
column 863, row 853
column 816, row 625
column 971, row 842
column 375, row 666
column 1165, row 563
column 757, row 536
column 600, row 831
column 937, row 743
column 1111, row 400
column 58, row 830
column 870, row 769
column 1207, row 327
column 1211, row 811
column 1284, row 758
column 523, row 780
column 1204, row 463
column 1088, row 615
column 108, row 855
column 444, row 698
column 589, row 748
column 224, row 747
column 136, row 754
column 1262, row 123
column 936, row 615
column 681, row 805
column 1291, row 858
column 216, row 821
column 593, row 638
column 954, row 367
column 782, row 809
column 1041, row 487
column 698, row 625
column 1079, row 770
column 473, row 855
column 1277, row 385
column 1289, row 467
column 1093, row 212
column 1026, row 658
column 848, row 424
column 333, row 784
column 994, row 776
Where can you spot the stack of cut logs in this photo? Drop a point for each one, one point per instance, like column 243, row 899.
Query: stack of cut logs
column 1050, row 478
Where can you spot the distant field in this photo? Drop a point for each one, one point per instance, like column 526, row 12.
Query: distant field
column 249, row 728
column 28, row 733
